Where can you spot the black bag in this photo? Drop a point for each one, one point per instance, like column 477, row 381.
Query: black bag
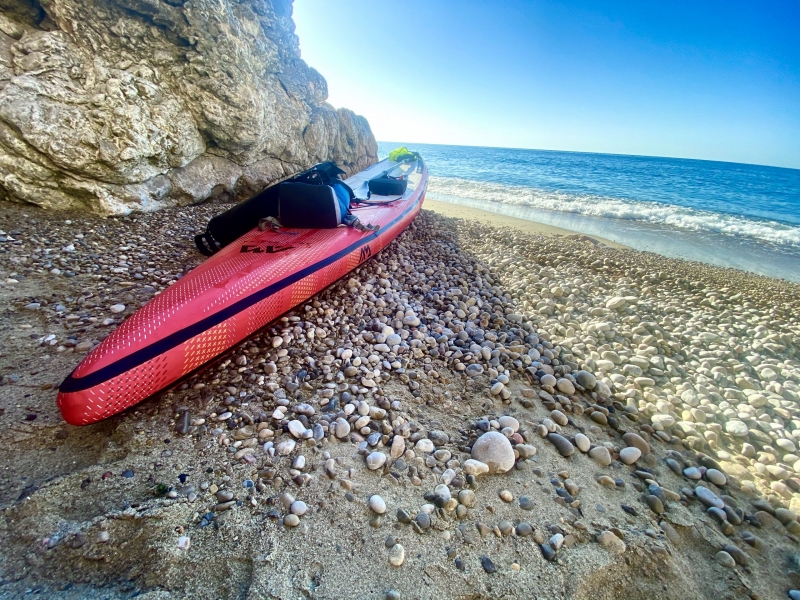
column 241, row 218
column 309, row 206
column 238, row 220
column 383, row 185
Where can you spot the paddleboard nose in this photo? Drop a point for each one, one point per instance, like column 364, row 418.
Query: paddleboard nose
column 75, row 409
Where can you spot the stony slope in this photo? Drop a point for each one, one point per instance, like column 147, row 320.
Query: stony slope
column 253, row 479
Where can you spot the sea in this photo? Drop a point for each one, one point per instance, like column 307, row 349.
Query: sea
column 728, row 214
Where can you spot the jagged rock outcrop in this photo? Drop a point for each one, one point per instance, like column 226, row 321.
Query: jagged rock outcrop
column 120, row 105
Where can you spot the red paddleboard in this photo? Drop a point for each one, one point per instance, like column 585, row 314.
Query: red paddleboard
column 236, row 292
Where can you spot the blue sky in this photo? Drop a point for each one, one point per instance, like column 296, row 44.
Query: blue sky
column 708, row 80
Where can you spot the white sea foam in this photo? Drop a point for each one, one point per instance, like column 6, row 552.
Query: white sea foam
column 615, row 208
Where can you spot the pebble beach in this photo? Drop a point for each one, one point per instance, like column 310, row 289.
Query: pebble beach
column 486, row 409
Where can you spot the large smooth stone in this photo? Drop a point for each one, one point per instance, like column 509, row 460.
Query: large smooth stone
column 511, row 422
column 586, row 379
column 716, row 477
column 707, row 497
column 425, row 446
column 725, row 559
column 376, row 460
column 398, row 446
column 562, row 444
column 601, row 455
column 630, row 455
column 565, row 386
column 582, row 442
column 341, row 428
column 637, row 441
column 692, row 473
column 494, row 449
column 558, row 417
column 736, row 428
column 297, row 429
column 548, row 379
column 654, row 503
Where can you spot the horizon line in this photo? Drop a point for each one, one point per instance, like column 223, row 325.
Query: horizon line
column 727, row 162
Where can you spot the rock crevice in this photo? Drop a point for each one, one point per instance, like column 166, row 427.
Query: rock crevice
column 126, row 105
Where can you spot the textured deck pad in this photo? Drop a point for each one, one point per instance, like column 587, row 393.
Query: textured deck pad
column 233, row 294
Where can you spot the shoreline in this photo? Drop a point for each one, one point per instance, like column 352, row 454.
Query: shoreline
column 671, row 214
column 502, row 221
column 458, row 211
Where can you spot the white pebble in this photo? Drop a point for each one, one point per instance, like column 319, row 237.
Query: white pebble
column 424, row 445
column 511, row 422
column 297, row 429
column 286, row 447
column 298, row 508
column 475, row 467
column 376, row 460
column 397, row 555
column 377, row 504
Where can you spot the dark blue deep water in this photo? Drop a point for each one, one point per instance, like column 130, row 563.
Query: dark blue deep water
column 729, row 214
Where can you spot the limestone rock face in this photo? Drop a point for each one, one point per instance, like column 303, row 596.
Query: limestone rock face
column 112, row 106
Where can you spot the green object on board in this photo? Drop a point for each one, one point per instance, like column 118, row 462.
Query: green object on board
column 402, row 153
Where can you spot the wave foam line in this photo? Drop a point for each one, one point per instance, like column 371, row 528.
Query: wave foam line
column 615, row 208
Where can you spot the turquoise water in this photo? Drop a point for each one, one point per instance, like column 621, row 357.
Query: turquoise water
column 729, row 214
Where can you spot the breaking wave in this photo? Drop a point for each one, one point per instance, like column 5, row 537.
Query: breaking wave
column 655, row 213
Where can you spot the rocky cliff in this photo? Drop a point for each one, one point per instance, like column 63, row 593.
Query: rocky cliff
column 112, row 106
